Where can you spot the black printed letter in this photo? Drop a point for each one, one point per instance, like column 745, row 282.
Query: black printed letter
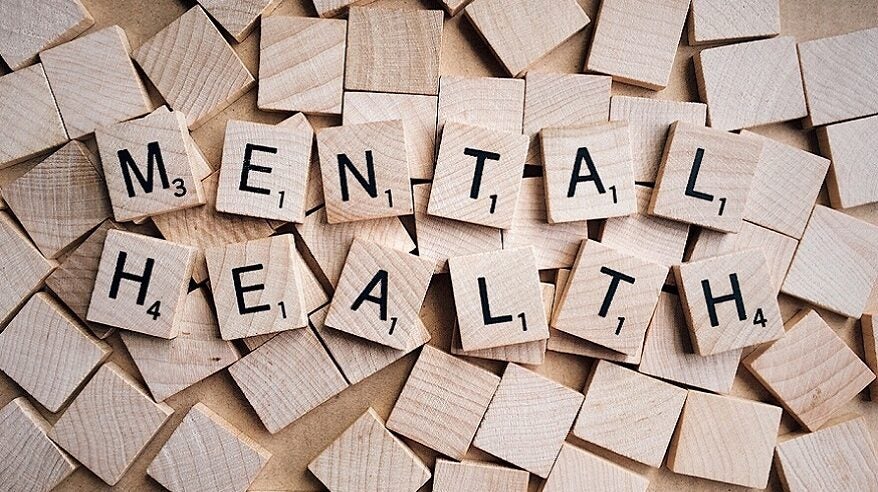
column 487, row 318
column 481, row 156
column 611, row 292
column 693, row 177
column 154, row 158
column 120, row 274
column 344, row 163
column 240, row 290
column 245, row 170
column 713, row 301
column 380, row 279
column 575, row 178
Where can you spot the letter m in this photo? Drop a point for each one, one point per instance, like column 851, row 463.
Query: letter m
column 154, row 161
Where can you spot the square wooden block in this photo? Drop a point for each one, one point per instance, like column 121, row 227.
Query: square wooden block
column 528, row 420
column 475, row 476
column 478, row 175
column 27, row 28
column 141, row 284
column 869, row 323
column 393, row 50
column 718, row 20
column 811, row 371
column 29, row 117
column 108, row 440
column 834, row 266
column 851, row 146
column 236, row 17
column 365, row 171
column 577, row 469
column 24, row 268
column 705, row 177
column 520, row 32
column 588, row 172
column 301, row 64
column 490, row 102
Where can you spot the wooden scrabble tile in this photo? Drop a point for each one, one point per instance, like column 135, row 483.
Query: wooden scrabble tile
column 418, row 114
column 609, row 298
column 577, row 469
column 170, row 366
column 869, row 323
column 365, row 171
column 238, row 17
column 333, row 8
column 851, row 147
column 287, row 377
column 497, row 298
column 474, row 476
column 705, row 177
column 729, row 302
column 367, row 456
column 94, row 81
column 637, row 49
column 834, row 265
column 301, row 64
column 838, row 74
column 23, row 269
column 27, row 28
column 206, row 452
column 393, row 50
column 193, row 67
column 648, row 123
column 528, row 420
column 811, row 371
column 668, row 353
column 716, row 20
column 478, row 175
column 29, row 116
column 109, row 423
column 496, row 103
column 31, row 461
column 443, row 402
column 520, row 32
column 838, row 457
column 141, row 284
column 379, row 294
column 588, row 172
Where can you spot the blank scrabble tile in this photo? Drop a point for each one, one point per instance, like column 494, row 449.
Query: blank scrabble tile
column 27, row 28
column 869, row 322
column 705, row 177
column 497, row 298
column 811, row 371
column 637, row 49
column 520, row 32
column 838, row 72
column 94, row 81
column 109, row 423
column 301, row 64
column 834, row 266
column 588, row 172
column 577, row 469
column 238, row 17
column 193, row 67
column 141, row 284
column 744, row 430
column 496, row 103
column 851, row 146
column 365, row 171
column 528, row 420
column 206, row 452
column 717, row 20
column 478, row 175
column 393, row 50
column 443, row 402
column 23, row 270
column 474, row 476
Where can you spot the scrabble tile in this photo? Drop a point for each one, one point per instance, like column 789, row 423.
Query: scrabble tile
column 379, row 294
column 94, row 81
column 365, row 171
column 577, row 469
column 609, row 298
column 333, row 8
column 31, row 460
column 869, row 323
column 193, row 67
column 713, row 170
column 496, row 103
column 418, row 114
column 170, row 366
column 729, row 302
column 716, row 20
column 59, row 200
column 520, row 32
column 141, row 284
column 648, row 123
column 668, row 353
column 838, row 74
column 528, row 420
column 497, row 298
column 29, row 116
column 811, row 371
column 637, row 49
column 752, row 83
column 109, row 423
column 454, row 7
column 744, row 430
column 301, row 64
column 851, row 147
column 474, row 476
column 27, row 28
column 478, row 175
column 287, row 377
column 206, row 452
column 443, row 402
column 588, row 172
column 367, row 456
column 393, row 50
column 834, row 265
column 838, row 457
column 23, row 270
column 238, row 17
